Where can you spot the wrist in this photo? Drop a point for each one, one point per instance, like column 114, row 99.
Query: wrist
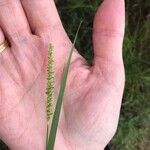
column 69, row 145
column 69, row 142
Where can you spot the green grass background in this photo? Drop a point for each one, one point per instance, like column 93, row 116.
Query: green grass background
column 134, row 126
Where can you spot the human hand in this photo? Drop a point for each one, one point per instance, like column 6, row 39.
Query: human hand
column 93, row 94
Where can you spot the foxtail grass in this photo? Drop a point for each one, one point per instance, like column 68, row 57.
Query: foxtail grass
column 50, row 88
column 55, row 119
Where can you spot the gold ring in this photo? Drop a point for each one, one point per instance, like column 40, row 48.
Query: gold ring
column 3, row 46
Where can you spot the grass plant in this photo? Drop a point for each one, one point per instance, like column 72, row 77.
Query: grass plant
column 55, row 120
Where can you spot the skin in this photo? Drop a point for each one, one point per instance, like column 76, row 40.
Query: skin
column 91, row 107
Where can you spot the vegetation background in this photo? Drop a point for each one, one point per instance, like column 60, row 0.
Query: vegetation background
column 134, row 126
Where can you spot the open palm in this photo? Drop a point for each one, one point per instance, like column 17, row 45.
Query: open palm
column 93, row 95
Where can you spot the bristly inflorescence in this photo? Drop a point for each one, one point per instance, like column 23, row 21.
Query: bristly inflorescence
column 50, row 83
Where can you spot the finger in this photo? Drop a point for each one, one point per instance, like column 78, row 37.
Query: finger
column 42, row 14
column 13, row 20
column 45, row 22
column 108, row 33
column 2, row 38
column 2, row 41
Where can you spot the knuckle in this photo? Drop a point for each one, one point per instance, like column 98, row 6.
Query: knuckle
column 4, row 2
column 109, row 33
column 49, row 29
column 19, row 36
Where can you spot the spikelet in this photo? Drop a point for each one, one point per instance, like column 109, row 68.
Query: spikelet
column 50, row 84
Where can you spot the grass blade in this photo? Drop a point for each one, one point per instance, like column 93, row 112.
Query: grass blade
column 52, row 136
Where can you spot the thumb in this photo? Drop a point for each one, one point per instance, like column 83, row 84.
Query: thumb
column 108, row 31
